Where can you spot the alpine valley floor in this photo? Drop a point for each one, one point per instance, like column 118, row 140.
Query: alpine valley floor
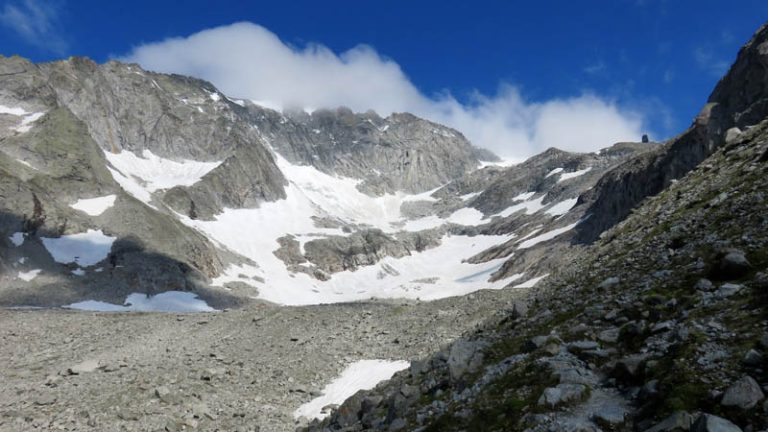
column 244, row 369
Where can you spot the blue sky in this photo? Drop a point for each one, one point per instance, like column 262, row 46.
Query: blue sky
column 656, row 60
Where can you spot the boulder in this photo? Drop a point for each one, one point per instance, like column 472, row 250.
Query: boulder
column 728, row 290
column 629, row 369
column 704, row 285
column 465, row 356
column 535, row 343
column 732, row 265
column 712, row 423
column 677, row 422
column 562, row 394
column 753, row 358
column 744, row 393
column 732, row 134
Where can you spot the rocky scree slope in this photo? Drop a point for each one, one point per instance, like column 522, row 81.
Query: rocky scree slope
column 661, row 325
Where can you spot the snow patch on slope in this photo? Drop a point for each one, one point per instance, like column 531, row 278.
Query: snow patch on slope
column 562, row 207
column 169, row 301
column 549, row 235
column 570, row 175
column 361, row 375
column 27, row 118
column 530, row 207
column 94, row 206
column 525, row 196
column 17, row 239
column 530, row 283
column 553, row 172
column 29, row 275
column 154, row 172
column 85, row 249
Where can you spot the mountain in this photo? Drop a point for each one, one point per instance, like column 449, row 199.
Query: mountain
column 146, row 183
column 618, row 290
column 659, row 325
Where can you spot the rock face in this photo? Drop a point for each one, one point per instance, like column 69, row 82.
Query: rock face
column 399, row 153
column 744, row 393
column 740, row 100
column 366, row 247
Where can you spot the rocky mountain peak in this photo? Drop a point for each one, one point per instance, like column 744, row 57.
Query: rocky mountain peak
column 738, row 101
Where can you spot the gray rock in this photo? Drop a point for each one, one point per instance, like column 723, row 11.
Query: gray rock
column 679, row 421
column 649, row 390
column 744, row 393
column 704, row 285
column 162, row 392
column 630, row 369
column 397, row 425
column 609, row 416
column 581, row 346
column 609, row 282
column 535, row 343
column 733, row 265
column 465, row 356
column 340, row 253
column 610, row 335
column 732, row 135
column 663, row 326
column 562, row 394
column 712, row 423
column 753, row 358
column 728, row 290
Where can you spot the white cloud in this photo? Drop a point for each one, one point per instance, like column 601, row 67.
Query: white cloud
column 36, row 22
column 248, row 61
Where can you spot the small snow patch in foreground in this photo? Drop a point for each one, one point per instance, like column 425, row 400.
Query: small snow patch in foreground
column 361, row 375
column 169, row 301
column 95, row 206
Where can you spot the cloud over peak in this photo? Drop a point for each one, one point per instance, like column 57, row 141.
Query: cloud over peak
column 249, row 61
